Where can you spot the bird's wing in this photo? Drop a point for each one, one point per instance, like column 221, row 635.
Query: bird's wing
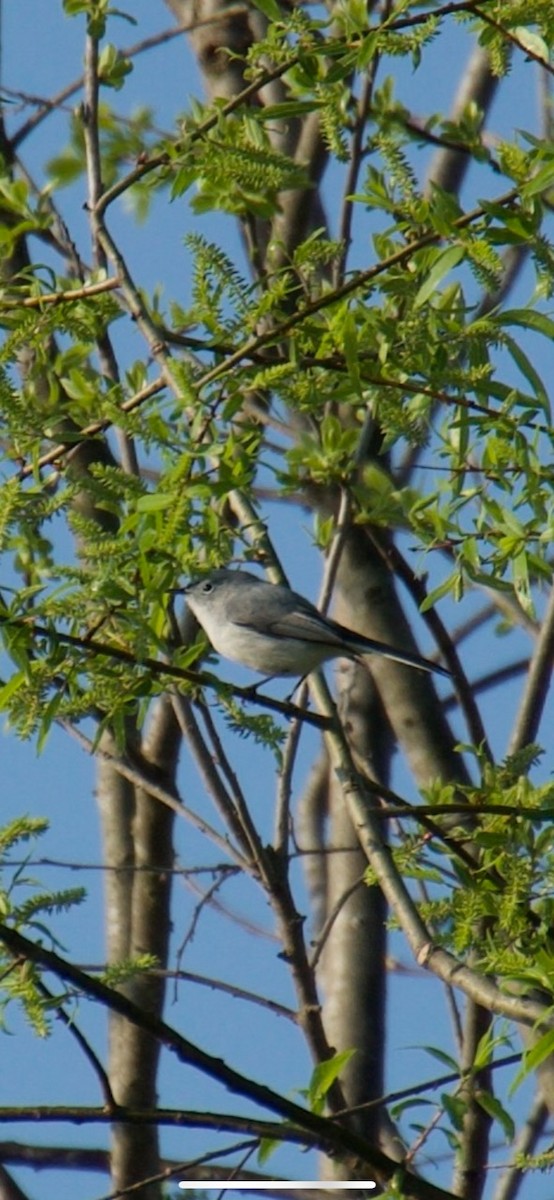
column 307, row 626
column 286, row 615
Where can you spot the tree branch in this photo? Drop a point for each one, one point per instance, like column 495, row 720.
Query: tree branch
column 326, row 1134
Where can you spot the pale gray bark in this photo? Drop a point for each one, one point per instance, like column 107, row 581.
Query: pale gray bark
column 137, row 835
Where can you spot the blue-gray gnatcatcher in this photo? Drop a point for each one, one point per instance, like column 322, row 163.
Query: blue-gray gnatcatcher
column 274, row 630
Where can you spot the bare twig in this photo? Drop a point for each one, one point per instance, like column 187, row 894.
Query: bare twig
column 356, row 154
column 418, row 591
column 249, row 832
column 284, row 788
column 137, row 777
column 513, row 38
column 68, row 296
column 319, row 945
column 56, row 102
column 537, row 684
column 509, row 1185
column 225, row 803
column 238, row 993
column 84, row 1045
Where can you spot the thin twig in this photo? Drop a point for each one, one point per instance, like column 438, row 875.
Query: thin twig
column 139, row 779
column 284, row 786
column 513, row 38
column 95, row 427
column 68, row 296
column 537, row 684
column 319, row 944
column 512, row 1177
column 249, row 831
column 84, row 1045
column 54, row 103
column 418, row 591
column 206, row 766
column 232, row 989
column 355, row 162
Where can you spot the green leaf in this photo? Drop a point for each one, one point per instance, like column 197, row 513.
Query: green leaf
column 522, row 582
column 368, row 49
column 444, row 1058
column 270, row 9
column 445, row 262
column 456, row 1107
column 10, row 688
column 450, row 585
column 533, row 1058
column 155, row 502
column 486, row 1046
column 541, row 182
column 527, row 319
column 113, row 67
column 73, row 7
column 48, row 717
column 289, row 108
column 491, row 1105
column 531, row 375
column 267, row 1147
column 324, row 1076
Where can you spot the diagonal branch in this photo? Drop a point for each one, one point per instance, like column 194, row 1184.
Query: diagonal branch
column 327, row 1134
column 537, row 684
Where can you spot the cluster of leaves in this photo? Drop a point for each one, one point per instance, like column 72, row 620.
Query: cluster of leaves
column 27, row 908
column 506, row 893
column 400, row 342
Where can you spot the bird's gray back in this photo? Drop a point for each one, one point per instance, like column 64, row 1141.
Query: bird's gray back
column 253, row 599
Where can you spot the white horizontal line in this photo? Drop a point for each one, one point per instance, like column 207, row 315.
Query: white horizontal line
column 277, row 1185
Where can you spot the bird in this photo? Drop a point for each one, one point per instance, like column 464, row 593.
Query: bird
column 276, row 631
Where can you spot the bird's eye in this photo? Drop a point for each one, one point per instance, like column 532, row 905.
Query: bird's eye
column 207, row 587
